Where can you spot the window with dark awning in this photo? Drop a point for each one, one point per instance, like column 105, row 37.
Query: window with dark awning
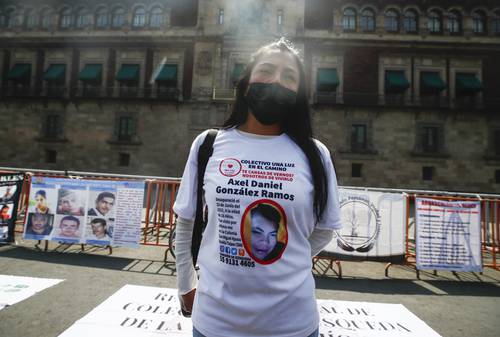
column 468, row 83
column 431, row 82
column 328, row 79
column 91, row 73
column 395, row 81
column 167, row 73
column 56, row 72
column 238, row 68
column 20, row 71
column 128, row 73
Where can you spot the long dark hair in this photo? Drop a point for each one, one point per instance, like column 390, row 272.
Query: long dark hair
column 297, row 123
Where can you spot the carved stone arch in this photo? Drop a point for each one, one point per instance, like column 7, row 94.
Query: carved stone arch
column 416, row 9
column 394, row 8
column 349, row 5
column 457, row 9
column 78, row 8
column 438, row 9
column 482, row 9
column 62, row 7
column 98, row 6
column 44, row 8
column 136, row 6
column 118, row 6
column 371, row 7
column 154, row 5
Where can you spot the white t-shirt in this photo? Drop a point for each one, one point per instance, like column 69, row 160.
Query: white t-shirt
column 255, row 259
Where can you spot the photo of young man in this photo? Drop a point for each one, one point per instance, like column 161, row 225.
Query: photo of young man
column 69, row 203
column 39, row 225
column 103, row 205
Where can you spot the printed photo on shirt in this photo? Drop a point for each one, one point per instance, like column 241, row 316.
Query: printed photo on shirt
column 102, row 203
column 98, row 230
column 264, row 231
column 43, row 200
column 39, row 226
column 71, row 202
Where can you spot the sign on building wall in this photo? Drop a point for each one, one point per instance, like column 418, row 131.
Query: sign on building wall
column 373, row 224
column 99, row 212
column 448, row 235
column 138, row 311
column 10, row 190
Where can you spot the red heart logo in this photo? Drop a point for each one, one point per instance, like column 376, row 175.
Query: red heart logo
column 230, row 165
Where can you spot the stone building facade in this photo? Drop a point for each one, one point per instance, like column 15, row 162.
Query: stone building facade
column 405, row 94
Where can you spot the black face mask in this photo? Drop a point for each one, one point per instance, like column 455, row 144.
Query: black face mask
column 270, row 102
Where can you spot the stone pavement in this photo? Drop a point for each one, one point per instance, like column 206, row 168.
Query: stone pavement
column 462, row 304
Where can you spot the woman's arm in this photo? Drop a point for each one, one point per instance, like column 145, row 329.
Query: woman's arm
column 186, row 274
column 319, row 239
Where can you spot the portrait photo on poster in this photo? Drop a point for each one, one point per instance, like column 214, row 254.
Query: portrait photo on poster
column 264, row 231
column 7, row 192
column 68, row 228
column 102, row 203
column 39, row 226
column 71, row 202
column 43, row 200
column 6, row 210
column 98, row 230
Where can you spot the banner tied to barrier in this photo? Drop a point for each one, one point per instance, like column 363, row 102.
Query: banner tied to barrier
column 10, row 191
column 100, row 212
column 448, row 235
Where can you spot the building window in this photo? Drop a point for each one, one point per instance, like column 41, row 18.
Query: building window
column 139, row 18
column 454, row 23
column 359, row 141
column 50, row 156
column 495, row 143
column 30, row 19
column 126, row 128
column 10, row 18
column 220, row 18
column 101, row 18
column 495, row 23
column 66, row 18
column 430, row 139
column 82, row 19
column 356, row 170
column 434, row 22
column 326, row 85
column 497, row 176
column 391, row 21
column 280, row 18
column 53, row 127
column 410, row 22
column 349, row 20
column 478, row 22
column 157, row 18
column 3, row 20
column 367, row 20
column 118, row 18
column 427, row 172
column 46, row 18
column 123, row 159
column 396, row 85
column 431, row 86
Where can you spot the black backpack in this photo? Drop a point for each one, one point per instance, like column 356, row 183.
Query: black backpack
column 204, row 153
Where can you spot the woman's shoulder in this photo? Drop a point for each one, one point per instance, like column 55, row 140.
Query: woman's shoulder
column 323, row 149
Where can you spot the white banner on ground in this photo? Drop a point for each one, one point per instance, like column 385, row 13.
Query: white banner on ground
column 448, row 235
column 373, row 224
column 99, row 212
column 14, row 289
column 138, row 311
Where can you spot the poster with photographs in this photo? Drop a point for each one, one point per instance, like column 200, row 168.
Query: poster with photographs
column 10, row 190
column 95, row 212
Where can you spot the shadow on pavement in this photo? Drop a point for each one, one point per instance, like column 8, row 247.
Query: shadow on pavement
column 65, row 254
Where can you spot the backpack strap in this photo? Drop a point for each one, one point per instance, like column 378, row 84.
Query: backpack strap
column 204, row 153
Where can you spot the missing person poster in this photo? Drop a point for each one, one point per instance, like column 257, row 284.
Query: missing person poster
column 10, row 190
column 448, row 235
column 99, row 212
column 373, row 224
column 139, row 311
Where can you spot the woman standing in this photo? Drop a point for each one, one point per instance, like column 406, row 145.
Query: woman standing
column 263, row 158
